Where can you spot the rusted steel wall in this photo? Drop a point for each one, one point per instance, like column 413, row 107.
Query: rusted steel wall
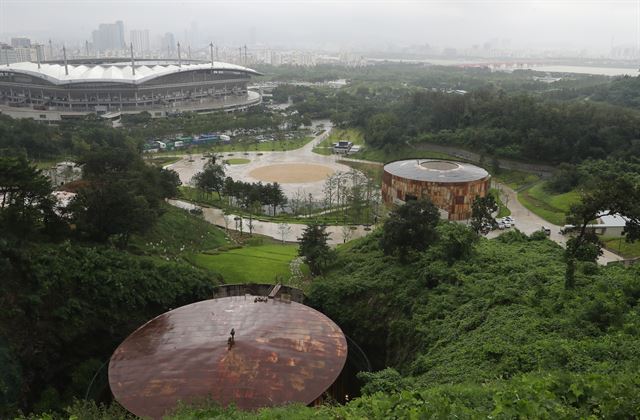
column 280, row 352
column 453, row 198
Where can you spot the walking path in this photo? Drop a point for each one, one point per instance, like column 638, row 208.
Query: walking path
column 274, row 161
column 528, row 222
column 337, row 234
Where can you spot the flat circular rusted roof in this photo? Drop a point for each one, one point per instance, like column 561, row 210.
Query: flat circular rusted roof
column 284, row 352
column 433, row 170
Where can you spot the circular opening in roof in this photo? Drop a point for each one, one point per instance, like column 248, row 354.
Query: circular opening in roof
column 439, row 165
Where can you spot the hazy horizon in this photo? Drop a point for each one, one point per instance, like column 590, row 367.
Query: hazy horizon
column 382, row 25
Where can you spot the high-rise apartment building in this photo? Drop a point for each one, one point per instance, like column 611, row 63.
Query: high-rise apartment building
column 109, row 37
column 140, row 41
column 169, row 44
column 21, row 42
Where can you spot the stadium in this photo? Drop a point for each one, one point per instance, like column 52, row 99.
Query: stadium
column 59, row 90
column 451, row 186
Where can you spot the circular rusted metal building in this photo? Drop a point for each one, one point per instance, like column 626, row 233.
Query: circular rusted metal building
column 451, row 186
column 279, row 352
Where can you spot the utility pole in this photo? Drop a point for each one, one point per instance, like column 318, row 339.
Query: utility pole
column 133, row 64
column 64, row 55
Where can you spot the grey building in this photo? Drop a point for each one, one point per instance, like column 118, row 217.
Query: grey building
column 21, row 42
column 109, row 37
column 140, row 41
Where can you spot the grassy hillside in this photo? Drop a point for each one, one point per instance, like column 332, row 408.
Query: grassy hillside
column 268, row 263
column 501, row 313
column 178, row 233
column 531, row 396
column 492, row 335
column 551, row 207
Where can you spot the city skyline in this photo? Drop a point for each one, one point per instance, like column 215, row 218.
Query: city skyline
column 352, row 25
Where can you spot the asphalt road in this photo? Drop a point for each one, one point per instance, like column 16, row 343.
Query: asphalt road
column 528, row 222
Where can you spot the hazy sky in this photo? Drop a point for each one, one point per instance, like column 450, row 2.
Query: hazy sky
column 340, row 24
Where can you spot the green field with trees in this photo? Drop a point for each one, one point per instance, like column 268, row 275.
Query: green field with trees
column 178, row 234
column 454, row 324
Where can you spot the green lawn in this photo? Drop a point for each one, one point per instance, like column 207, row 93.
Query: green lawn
column 371, row 170
column 551, row 207
column 622, row 247
column 245, row 145
column 515, row 179
column 406, row 152
column 353, row 135
column 163, row 160
column 323, row 150
column 236, row 161
column 178, row 233
column 258, row 263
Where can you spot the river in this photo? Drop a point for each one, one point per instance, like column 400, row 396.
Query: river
column 605, row 71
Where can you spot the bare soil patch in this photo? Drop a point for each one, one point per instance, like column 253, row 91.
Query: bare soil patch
column 292, row 173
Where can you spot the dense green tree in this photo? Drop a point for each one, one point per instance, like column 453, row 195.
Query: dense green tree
column 617, row 193
column 482, row 211
column 314, row 248
column 382, row 130
column 564, row 179
column 26, row 204
column 274, row 196
column 211, row 178
column 65, row 304
column 169, row 182
column 112, row 209
column 410, row 227
column 455, row 242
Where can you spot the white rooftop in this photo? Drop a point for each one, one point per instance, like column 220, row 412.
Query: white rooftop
column 611, row 220
column 114, row 72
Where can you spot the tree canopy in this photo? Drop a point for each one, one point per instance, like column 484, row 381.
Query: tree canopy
column 410, row 227
column 314, row 248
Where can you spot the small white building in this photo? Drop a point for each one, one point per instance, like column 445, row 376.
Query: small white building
column 606, row 226
column 609, row 226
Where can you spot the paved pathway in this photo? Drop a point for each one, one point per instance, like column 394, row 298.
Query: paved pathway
column 337, row 234
column 529, row 222
column 526, row 221
column 303, row 155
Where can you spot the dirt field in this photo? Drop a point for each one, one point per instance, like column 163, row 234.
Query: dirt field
column 292, row 173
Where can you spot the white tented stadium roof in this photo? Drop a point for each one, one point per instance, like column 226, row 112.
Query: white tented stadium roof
column 114, row 72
